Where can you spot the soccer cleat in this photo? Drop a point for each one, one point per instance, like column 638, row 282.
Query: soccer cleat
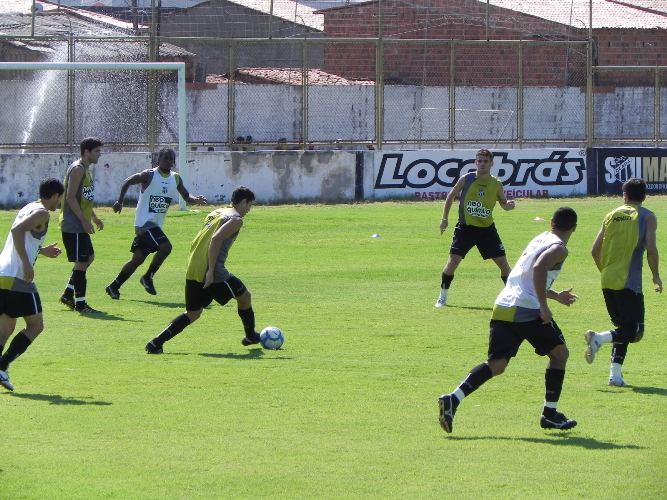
column 250, row 340
column 616, row 382
column 593, row 346
column 83, row 308
column 67, row 301
column 152, row 348
column 112, row 292
column 447, row 411
column 557, row 421
column 147, row 283
column 442, row 299
column 4, row 381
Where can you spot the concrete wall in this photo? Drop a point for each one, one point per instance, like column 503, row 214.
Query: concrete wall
column 275, row 177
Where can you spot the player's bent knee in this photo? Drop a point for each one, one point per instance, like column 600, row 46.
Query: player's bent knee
column 165, row 249
column 193, row 315
column 640, row 333
column 497, row 366
column 559, row 354
column 244, row 300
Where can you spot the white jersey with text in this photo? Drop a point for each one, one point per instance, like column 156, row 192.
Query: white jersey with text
column 520, row 290
column 11, row 267
column 155, row 200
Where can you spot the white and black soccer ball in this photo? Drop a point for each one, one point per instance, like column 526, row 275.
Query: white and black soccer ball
column 271, row 337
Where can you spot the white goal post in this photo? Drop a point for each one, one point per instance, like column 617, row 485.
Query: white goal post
column 126, row 66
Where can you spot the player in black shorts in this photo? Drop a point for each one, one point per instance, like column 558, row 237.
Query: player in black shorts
column 159, row 187
column 76, row 223
column 19, row 297
column 479, row 192
column 521, row 313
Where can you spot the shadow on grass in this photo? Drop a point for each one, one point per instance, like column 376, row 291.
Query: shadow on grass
column 472, row 308
column 251, row 354
column 657, row 391
column 558, row 440
column 171, row 305
column 57, row 399
column 108, row 317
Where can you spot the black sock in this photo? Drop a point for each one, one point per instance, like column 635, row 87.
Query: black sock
column 248, row 318
column 80, row 282
column 152, row 269
column 618, row 352
column 477, row 376
column 1, row 348
column 122, row 277
column 504, row 278
column 69, row 289
column 446, row 281
column 553, row 384
column 17, row 347
column 174, row 328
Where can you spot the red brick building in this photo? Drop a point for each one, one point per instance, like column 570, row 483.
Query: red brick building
column 624, row 34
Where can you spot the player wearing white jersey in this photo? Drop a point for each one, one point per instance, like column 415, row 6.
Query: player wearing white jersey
column 159, row 187
column 18, row 294
column 521, row 313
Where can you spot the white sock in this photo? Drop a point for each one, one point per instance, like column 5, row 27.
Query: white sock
column 604, row 337
column 458, row 394
column 615, row 370
column 551, row 404
column 443, row 293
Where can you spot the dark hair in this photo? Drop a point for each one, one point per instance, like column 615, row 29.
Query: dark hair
column 166, row 152
column 90, row 143
column 635, row 189
column 484, row 152
column 50, row 186
column 242, row 193
column 564, row 219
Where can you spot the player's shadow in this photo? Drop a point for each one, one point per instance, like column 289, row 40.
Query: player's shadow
column 172, row 305
column 658, row 391
column 105, row 316
column 251, row 354
column 558, row 440
column 472, row 308
column 57, row 399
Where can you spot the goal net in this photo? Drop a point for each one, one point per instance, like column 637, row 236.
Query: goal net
column 129, row 106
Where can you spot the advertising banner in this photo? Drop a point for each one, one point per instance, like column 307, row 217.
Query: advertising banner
column 616, row 165
column 525, row 173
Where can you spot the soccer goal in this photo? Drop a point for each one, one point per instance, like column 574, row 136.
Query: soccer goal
column 124, row 103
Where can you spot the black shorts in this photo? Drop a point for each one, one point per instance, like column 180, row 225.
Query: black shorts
column 486, row 240
column 19, row 304
column 78, row 246
column 505, row 337
column 149, row 241
column 626, row 310
column 197, row 297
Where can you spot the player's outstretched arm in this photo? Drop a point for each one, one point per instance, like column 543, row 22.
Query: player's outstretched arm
column 652, row 255
column 34, row 221
column 596, row 251
column 504, row 202
column 187, row 196
column 138, row 178
column 225, row 231
column 548, row 259
column 451, row 196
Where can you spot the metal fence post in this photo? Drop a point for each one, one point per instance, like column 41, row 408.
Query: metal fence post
column 231, row 58
column 452, row 94
column 379, row 93
column 304, row 94
column 519, row 98
column 71, row 101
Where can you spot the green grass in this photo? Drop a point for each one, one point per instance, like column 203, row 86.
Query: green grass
column 348, row 407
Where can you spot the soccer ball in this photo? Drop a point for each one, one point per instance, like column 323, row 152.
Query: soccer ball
column 271, row 337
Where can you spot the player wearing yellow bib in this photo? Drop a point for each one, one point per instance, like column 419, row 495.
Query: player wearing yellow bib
column 521, row 313
column 19, row 297
column 76, row 223
column 160, row 186
column 207, row 277
column 618, row 251
column 479, row 191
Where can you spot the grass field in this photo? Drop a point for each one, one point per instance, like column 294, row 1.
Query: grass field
column 348, row 407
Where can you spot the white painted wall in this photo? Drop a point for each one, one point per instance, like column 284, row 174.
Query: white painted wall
column 284, row 176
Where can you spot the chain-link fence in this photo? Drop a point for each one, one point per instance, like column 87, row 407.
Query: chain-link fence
column 314, row 73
